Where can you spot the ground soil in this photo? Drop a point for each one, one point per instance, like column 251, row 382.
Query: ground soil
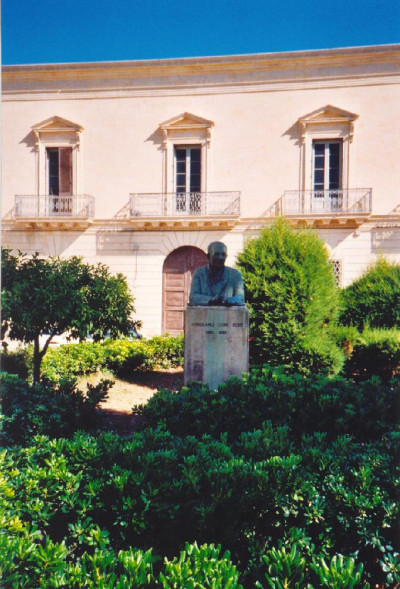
column 116, row 412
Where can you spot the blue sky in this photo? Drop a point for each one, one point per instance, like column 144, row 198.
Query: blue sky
column 52, row 31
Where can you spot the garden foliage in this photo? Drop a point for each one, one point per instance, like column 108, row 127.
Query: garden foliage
column 375, row 352
column 122, row 357
column 55, row 296
column 296, row 478
column 47, row 409
column 335, row 406
column 293, row 300
column 373, row 299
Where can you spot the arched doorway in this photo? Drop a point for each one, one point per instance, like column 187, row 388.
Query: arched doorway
column 177, row 276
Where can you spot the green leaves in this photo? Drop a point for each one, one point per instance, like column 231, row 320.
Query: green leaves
column 293, row 300
column 376, row 352
column 373, row 299
column 200, row 567
column 55, row 410
column 121, row 356
column 296, row 476
column 55, row 296
column 285, row 568
column 340, row 573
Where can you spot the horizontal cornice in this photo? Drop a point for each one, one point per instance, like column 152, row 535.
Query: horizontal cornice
column 204, row 72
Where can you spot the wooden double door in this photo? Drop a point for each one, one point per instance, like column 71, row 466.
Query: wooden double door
column 177, row 277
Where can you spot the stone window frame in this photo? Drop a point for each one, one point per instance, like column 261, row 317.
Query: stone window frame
column 186, row 130
column 57, row 132
column 328, row 123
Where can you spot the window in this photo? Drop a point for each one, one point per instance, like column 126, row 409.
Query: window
column 187, row 169
column 57, row 144
column 327, row 175
column 188, row 179
column 326, row 135
column 59, row 170
column 327, row 156
column 59, row 179
column 337, row 271
column 186, row 141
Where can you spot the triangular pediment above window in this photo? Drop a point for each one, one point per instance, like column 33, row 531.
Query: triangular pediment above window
column 57, row 124
column 328, row 114
column 186, row 120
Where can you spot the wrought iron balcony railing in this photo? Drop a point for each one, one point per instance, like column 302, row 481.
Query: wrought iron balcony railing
column 315, row 202
column 189, row 204
column 49, row 206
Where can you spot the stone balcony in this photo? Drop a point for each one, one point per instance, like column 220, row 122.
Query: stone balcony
column 184, row 210
column 53, row 211
column 341, row 206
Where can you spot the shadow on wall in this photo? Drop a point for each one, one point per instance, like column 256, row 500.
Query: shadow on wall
column 293, row 133
column 49, row 243
column 156, row 138
column 114, row 240
column 29, row 140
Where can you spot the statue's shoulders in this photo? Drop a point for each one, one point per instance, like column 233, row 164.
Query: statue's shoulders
column 233, row 271
column 201, row 270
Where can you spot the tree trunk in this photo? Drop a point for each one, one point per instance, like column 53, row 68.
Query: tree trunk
column 37, row 360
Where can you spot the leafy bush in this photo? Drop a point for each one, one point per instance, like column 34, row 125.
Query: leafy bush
column 296, row 477
column 123, row 357
column 373, row 299
column 90, row 496
column 46, row 409
column 166, row 351
column 199, row 567
column 293, row 300
column 303, row 405
column 375, row 352
column 72, row 360
column 17, row 362
column 55, row 295
column 296, row 565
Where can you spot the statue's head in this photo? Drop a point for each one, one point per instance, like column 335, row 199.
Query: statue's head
column 216, row 254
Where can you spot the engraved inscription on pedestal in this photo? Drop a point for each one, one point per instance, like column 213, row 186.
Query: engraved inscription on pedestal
column 216, row 343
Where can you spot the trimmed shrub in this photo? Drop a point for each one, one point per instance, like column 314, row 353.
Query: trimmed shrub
column 293, row 300
column 374, row 299
column 18, row 362
column 264, row 492
column 166, row 351
column 200, row 566
column 73, row 360
column 375, row 352
column 123, row 357
column 46, row 409
column 303, row 405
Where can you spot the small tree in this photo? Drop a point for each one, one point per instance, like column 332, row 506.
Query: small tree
column 373, row 299
column 54, row 296
column 292, row 297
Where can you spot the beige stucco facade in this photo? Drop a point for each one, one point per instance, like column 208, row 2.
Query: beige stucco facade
column 258, row 127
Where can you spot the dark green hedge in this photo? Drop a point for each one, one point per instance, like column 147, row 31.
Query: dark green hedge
column 123, row 357
column 285, row 473
column 156, row 490
column 47, row 409
column 334, row 406
column 373, row 299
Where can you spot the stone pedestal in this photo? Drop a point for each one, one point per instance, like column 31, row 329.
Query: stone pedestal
column 216, row 344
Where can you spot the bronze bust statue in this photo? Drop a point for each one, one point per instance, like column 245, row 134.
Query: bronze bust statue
column 217, row 284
